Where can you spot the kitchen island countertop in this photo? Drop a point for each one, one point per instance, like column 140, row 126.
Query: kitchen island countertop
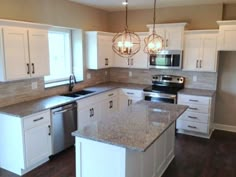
column 135, row 128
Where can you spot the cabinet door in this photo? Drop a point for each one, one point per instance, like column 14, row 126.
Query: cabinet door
column 208, row 59
column 88, row 115
column 192, row 51
column 121, row 62
column 109, row 106
column 16, row 53
column 37, row 144
column 39, row 52
column 105, row 53
column 140, row 59
column 227, row 38
column 174, row 39
column 170, row 142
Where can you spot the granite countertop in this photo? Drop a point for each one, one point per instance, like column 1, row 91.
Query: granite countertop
column 135, row 128
column 197, row 92
column 30, row 107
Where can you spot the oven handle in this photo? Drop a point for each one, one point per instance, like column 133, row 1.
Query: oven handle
column 159, row 95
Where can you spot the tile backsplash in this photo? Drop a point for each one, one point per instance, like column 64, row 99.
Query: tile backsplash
column 204, row 80
column 20, row 91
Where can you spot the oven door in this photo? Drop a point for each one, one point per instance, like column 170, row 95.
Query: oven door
column 160, row 97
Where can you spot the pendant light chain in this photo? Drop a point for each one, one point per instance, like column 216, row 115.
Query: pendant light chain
column 154, row 17
column 126, row 15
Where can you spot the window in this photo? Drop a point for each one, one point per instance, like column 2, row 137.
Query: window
column 62, row 60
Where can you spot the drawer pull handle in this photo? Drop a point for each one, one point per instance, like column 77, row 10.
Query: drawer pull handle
column 193, row 108
column 111, row 94
column 192, row 127
column 129, row 102
column 110, row 104
column 191, row 117
column 130, row 93
column 36, row 120
column 194, row 100
column 49, row 130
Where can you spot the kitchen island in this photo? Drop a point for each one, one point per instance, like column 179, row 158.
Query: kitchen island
column 137, row 142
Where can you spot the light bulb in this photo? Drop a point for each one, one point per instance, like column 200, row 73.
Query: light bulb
column 120, row 44
column 151, row 45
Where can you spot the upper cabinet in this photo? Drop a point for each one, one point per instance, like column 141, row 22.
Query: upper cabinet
column 24, row 53
column 227, row 35
column 172, row 33
column 139, row 60
column 99, row 52
column 200, row 50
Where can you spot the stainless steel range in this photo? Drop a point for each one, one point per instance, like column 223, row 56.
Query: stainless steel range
column 164, row 88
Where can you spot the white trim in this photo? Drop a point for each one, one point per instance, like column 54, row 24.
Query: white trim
column 224, row 127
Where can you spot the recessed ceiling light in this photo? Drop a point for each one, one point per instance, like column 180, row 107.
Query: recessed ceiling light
column 124, row 3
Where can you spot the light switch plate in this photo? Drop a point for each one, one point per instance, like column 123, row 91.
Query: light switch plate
column 194, row 78
column 88, row 76
column 130, row 74
column 34, row 85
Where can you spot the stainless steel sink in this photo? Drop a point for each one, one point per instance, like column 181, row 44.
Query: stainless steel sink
column 78, row 94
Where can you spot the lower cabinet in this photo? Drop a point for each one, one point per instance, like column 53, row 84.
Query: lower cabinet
column 122, row 162
column 25, row 142
column 128, row 97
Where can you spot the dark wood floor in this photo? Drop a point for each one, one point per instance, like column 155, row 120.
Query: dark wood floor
column 195, row 157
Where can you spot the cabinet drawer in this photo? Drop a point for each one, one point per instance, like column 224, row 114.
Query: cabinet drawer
column 191, row 99
column 192, row 126
column 198, row 108
column 109, row 94
column 88, row 101
column 36, row 119
column 194, row 117
column 131, row 92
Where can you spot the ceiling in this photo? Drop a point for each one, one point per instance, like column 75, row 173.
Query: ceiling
column 116, row 5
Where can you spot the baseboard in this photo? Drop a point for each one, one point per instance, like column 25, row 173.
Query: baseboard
column 224, row 127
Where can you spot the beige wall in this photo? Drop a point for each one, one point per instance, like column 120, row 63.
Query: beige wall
column 229, row 12
column 226, row 90
column 197, row 17
column 55, row 12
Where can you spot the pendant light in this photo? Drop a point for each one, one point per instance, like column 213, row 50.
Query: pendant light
column 126, row 44
column 154, row 42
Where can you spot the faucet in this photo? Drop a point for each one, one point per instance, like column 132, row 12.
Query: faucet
column 72, row 82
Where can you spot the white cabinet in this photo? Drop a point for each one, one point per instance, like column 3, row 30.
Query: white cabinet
column 172, row 34
column 24, row 53
column 96, row 108
column 25, row 142
column 37, row 138
column 200, row 51
column 227, row 35
column 99, row 52
column 128, row 97
column 139, row 60
column 198, row 119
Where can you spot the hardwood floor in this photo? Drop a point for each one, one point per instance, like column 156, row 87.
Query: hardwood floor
column 195, row 157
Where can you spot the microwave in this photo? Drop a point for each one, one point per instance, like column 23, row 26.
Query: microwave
column 171, row 59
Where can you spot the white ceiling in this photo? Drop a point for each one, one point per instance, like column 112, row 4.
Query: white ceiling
column 116, row 5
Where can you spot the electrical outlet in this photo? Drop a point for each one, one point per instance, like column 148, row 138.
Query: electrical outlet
column 34, row 85
column 105, row 73
column 130, row 73
column 88, row 76
column 194, row 78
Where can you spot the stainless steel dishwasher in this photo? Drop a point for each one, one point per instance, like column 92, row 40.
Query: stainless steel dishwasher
column 64, row 122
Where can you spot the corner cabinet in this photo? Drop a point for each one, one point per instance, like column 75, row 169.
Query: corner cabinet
column 139, row 60
column 172, row 33
column 99, row 52
column 227, row 35
column 200, row 51
column 24, row 53
column 25, row 141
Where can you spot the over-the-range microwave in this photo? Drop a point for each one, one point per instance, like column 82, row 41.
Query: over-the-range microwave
column 166, row 59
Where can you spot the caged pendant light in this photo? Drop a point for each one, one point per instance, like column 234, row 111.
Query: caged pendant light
column 126, row 44
column 154, row 42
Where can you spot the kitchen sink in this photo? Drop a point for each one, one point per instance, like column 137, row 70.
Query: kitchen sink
column 78, row 94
